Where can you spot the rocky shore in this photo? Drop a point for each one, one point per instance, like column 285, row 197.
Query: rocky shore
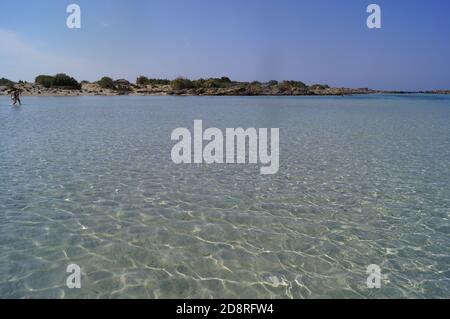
column 123, row 87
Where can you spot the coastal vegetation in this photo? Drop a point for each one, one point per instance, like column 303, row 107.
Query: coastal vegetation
column 319, row 87
column 6, row 82
column 182, row 84
column 106, row 83
column 254, row 88
column 121, row 86
column 215, row 83
column 44, row 80
column 62, row 80
column 292, row 85
column 63, row 85
column 58, row 81
column 143, row 80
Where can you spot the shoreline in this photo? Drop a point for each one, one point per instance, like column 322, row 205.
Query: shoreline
column 236, row 89
column 84, row 94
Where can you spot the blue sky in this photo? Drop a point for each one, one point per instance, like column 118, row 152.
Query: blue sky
column 316, row 41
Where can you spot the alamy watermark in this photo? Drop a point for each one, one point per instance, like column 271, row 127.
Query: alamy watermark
column 374, row 278
column 234, row 142
column 374, row 19
column 73, row 281
column 74, row 19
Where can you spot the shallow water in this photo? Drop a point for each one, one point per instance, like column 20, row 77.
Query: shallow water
column 89, row 180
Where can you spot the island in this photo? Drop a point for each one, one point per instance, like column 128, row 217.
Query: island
column 65, row 85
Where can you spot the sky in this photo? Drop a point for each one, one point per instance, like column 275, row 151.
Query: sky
column 314, row 41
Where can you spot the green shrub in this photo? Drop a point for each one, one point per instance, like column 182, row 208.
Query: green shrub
column 182, row 84
column 159, row 81
column 61, row 81
column 200, row 83
column 254, row 88
column 44, row 80
column 215, row 83
column 143, row 80
column 122, row 85
column 319, row 87
column 106, row 83
column 294, row 84
column 6, row 82
column 64, row 81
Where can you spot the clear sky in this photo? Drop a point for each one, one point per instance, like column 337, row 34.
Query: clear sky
column 324, row 41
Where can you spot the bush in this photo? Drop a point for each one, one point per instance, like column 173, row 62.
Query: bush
column 215, row 83
column 294, row 84
column 182, row 84
column 319, row 87
column 254, row 88
column 225, row 79
column 143, row 80
column 122, row 85
column 106, row 83
column 64, row 81
column 159, row 81
column 44, row 80
column 6, row 82
column 288, row 86
column 61, row 81
column 272, row 83
column 200, row 83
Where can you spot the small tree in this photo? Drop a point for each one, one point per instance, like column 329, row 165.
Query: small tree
column 106, row 83
column 142, row 80
column 6, row 82
column 62, row 80
column 44, row 80
column 294, row 84
column 182, row 84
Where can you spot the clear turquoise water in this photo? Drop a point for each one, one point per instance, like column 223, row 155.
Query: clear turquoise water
column 89, row 180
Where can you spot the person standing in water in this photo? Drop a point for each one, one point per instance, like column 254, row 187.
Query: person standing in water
column 12, row 93
column 15, row 96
